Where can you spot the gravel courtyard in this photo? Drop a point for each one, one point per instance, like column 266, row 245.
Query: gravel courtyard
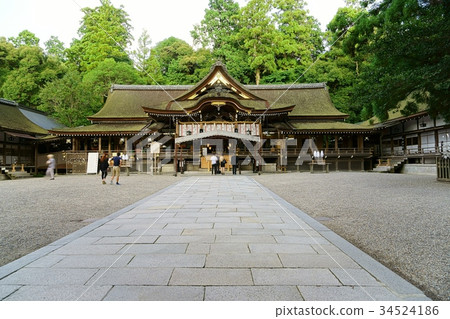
column 403, row 221
column 400, row 220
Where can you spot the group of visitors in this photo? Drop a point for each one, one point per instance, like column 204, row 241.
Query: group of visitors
column 104, row 162
column 218, row 164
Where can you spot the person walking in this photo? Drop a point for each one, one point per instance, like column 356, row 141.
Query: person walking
column 223, row 161
column 117, row 163
column 234, row 163
column 51, row 165
column 103, row 166
column 214, row 160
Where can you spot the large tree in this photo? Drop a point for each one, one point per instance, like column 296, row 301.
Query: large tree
column 105, row 32
column 300, row 36
column 68, row 99
column 259, row 36
column 31, row 70
column 218, row 31
column 410, row 46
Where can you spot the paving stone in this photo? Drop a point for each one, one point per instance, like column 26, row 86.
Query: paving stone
column 238, row 225
column 270, row 220
column 294, row 276
column 131, row 276
column 110, row 233
column 49, row 276
column 198, row 248
column 283, row 248
column 177, row 220
column 219, row 220
column 358, row 277
column 206, row 232
column 189, row 226
column 317, row 261
column 245, row 239
column 300, row 240
column 252, row 293
column 60, row 293
column 301, row 233
column 185, row 239
column 243, row 261
column 155, row 293
column 324, row 249
column 252, row 231
column 235, row 214
column 229, row 248
column 6, row 290
column 46, row 261
column 346, row 293
column 210, row 277
column 154, row 249
column 127, row 240
column 93, row 261
column 88, row 249
column 169, row 260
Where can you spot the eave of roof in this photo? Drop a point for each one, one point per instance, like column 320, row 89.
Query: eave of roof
column 325, row 127
column 105, row 129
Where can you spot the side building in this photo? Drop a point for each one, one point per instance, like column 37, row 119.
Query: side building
column 23, row 133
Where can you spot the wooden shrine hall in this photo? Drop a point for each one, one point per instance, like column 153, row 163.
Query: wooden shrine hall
column 268, row 127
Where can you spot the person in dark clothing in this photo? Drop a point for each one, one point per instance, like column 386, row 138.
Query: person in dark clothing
column 103, row 166
column 234, row 163
column 117, row 163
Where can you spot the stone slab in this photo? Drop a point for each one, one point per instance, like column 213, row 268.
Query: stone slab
column 155, row 293
column 168, row 260
column 294, row 276
column 243, row 261
column 252, row 293
column 210, row 277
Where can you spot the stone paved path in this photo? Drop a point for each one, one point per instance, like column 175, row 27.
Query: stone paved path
column 204, row 238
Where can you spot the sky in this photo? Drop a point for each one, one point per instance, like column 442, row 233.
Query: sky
column 161, row 18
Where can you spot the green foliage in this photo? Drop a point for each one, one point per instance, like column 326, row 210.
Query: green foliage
column 68, row 99
column 25, row 38
column 105, row 33
column 54, row 47
column 109, row 72
column 259, row 36
column 31, row 71
column 410, row 55
column 373, row 59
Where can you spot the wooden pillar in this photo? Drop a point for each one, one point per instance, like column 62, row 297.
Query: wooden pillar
column 99, row 144
column 360, row 142
column 109, row 145
column 336, row 142
column 319, row 142
column 175, row 161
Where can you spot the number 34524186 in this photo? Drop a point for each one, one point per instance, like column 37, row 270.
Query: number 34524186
column 409, row 310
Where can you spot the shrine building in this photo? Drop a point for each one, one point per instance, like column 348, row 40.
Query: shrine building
column 268, row 127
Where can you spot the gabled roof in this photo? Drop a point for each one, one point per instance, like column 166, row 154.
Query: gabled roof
column 12, row 119
column 300, row 101
column 219, row 75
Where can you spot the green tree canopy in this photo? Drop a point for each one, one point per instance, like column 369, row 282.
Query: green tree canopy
column 68, row 99
column 25, row 38
column 105, row 32
column 410, row 56
column 32, row 70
